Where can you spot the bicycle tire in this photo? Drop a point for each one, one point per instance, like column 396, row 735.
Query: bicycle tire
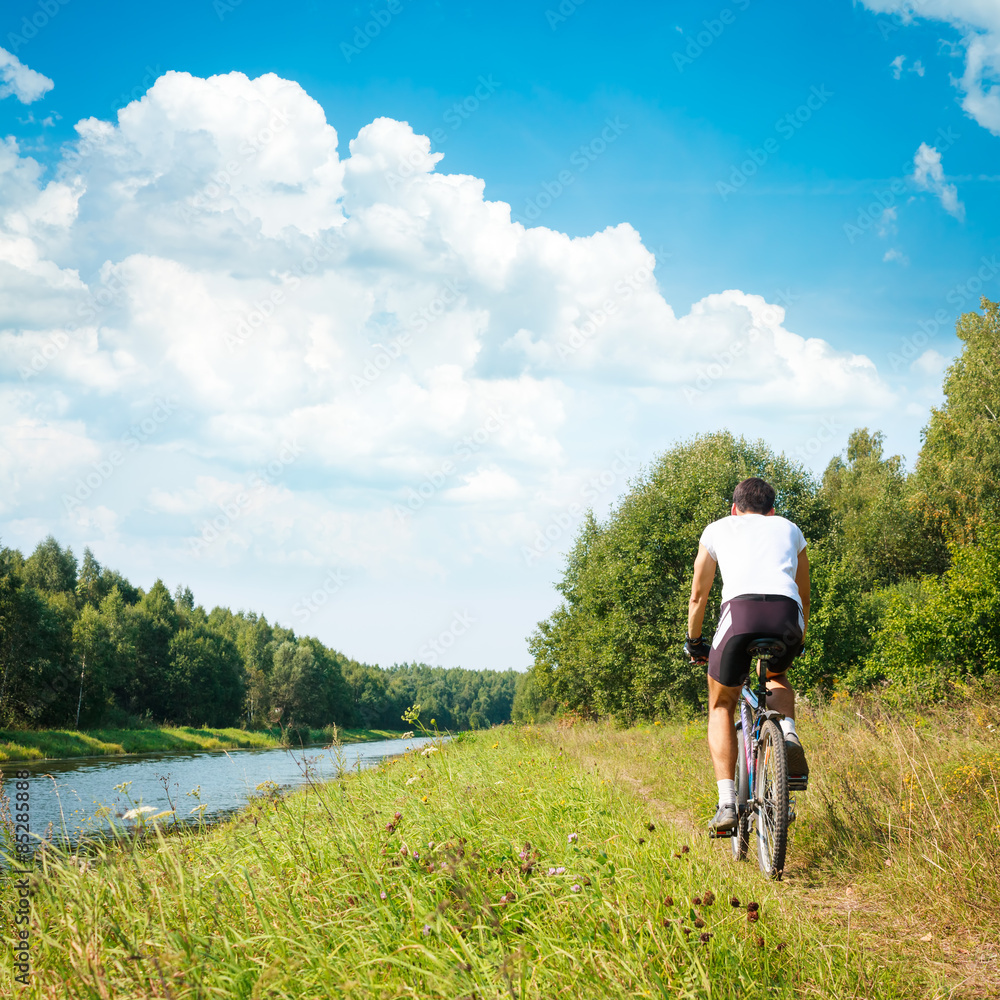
column 740, row 840
column 771, row 800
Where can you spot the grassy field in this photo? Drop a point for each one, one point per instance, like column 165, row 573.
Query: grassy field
column 545, row 862
column 18, row 744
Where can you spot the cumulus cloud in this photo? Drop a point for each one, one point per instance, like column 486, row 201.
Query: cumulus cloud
column 979, row 21
column 895, row 255
column 928, row 173
column 18, row 80
column 231, row 336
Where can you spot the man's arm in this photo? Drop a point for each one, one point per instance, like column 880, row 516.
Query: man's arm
column 802, row 582
column 701, row 585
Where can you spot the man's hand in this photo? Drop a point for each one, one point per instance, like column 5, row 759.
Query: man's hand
column 697, row 649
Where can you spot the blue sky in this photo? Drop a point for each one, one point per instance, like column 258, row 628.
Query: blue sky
column 675, row 123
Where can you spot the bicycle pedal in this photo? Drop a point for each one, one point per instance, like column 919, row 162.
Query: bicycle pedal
column 717, row 834
column 798, row 782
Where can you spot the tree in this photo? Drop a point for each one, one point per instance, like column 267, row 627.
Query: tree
column 876, row 530
column 50, row 568
column 298, row 685
column 958, row 472
column 615, row 645
column 205, row 679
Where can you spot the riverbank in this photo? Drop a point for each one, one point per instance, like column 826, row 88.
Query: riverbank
column 520, row 862
column 60, row 744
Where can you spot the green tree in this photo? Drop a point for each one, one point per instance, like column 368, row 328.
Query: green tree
column 205, row 685
column 51, row 568
column 875, row 529
column 958, row 472
column 614, row 647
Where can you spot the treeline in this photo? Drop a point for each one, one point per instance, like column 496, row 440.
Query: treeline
column 81, row 646
column 905, row 564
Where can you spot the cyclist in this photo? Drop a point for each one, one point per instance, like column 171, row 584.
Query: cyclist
column 765, row 592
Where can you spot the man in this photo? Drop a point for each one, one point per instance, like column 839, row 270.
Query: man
column 765, row 592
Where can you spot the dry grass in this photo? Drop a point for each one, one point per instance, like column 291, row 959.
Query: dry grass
column 897, row 839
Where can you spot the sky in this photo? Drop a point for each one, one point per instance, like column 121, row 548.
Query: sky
column 346, row 314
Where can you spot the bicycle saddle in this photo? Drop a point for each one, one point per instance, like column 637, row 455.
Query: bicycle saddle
column 768, row 648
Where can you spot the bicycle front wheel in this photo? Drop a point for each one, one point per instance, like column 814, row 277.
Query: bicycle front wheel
column 740, row 839
column 771, row 800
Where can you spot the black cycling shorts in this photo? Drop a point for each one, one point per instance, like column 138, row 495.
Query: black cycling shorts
column 753, row 616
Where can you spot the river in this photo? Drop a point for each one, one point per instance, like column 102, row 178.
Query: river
column 84, row 795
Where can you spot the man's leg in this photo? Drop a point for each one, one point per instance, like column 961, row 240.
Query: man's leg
column 780, row 694
column 722, row 702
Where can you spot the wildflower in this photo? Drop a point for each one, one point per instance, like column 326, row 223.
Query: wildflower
column 424, row 799
column 552, row 871
column 708, row 898
column 752, row 916
column 705, row 937
column 752, row 907
column 410, row 781
column 398, row 816
column 383, row 894
column 642, row 840
column 685, row 848
column 416, row 856
column 651, row 827
column 573, row 838
column 560, row 871
column 699, row 923
column 668, row 900
column 782, row 946
column 496, row 746
column 734, row 901
column 138, row 813
column 575, row 888
column 426, row 930
column 523, row 855
column 696, row 900
column 403, row 850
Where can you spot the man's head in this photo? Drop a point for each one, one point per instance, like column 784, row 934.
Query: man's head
column 753, row 496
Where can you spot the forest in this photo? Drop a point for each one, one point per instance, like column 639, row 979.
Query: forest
column 80, row 646
column 905, row 587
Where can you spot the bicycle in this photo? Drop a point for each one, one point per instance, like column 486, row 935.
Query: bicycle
column 763, row 804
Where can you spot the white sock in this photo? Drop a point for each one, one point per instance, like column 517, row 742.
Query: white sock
column 727, row 792
column 787, row 725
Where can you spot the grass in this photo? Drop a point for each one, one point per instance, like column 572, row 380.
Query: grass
column 522, row 863
column 897, row 839
column 16, row 744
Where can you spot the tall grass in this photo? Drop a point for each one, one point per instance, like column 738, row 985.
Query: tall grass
column 897, row 837
column 497, row 865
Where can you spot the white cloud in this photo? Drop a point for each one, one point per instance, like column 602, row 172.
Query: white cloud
column 928, row 173
column 897, row 67
column 353, row 362
column 931, row 363
column 979, row 21
column 895, row 255
column 18, row 80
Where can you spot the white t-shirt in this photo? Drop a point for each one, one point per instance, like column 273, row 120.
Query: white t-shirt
column 756, row 554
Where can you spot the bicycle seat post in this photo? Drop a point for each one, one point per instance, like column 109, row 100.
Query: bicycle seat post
column 764, row 650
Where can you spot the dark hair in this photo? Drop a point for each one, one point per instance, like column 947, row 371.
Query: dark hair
column 754, row 496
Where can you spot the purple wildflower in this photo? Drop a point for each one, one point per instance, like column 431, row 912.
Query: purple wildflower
column 552, row 871
column 576, row 888
column 560, row 871
column 573, row 838
column 426, row 930
column 383, row 894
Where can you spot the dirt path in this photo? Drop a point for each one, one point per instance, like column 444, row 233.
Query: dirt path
column 966, row 966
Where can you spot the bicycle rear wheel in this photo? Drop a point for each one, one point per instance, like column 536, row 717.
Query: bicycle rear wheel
column 771, row 800
column 740, row 839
